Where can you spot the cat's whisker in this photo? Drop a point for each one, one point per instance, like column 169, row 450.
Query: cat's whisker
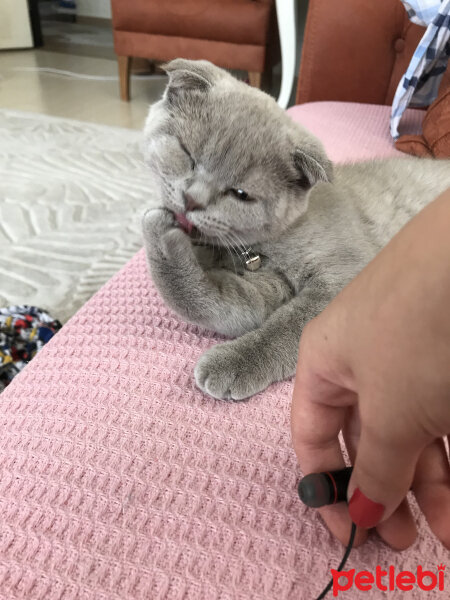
column 237, row 248
column 232, row 243
column 233, row 246
column 228, row 248
column 240, row 244
column 235, row 237
column 229, row 242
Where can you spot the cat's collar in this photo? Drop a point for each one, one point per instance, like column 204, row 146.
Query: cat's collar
column 250, row 258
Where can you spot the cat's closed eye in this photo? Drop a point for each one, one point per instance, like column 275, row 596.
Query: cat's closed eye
column 240, row 194
column 186, row 151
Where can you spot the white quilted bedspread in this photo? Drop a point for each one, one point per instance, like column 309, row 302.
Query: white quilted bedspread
column 71, row 199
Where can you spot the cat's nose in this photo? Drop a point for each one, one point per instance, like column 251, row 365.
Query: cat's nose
column 190, row 203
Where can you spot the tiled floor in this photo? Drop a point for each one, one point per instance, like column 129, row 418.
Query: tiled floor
column 74, row 75
column 24, row 85
column 88, row 91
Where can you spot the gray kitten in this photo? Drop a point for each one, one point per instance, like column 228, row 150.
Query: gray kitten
column 238, row 175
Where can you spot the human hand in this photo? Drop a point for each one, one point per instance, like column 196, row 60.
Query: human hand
column 376, row 365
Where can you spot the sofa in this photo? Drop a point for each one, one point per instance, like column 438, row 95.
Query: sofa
column 234, row 34
column 121, row 480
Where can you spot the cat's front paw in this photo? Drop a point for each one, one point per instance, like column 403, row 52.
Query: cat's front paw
column 156, row 222
column 229, row 371
column 162, row 238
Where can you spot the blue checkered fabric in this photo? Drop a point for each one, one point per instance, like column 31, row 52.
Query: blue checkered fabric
column 420, row 84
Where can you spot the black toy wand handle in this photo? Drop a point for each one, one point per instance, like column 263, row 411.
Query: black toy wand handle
column 320, row 489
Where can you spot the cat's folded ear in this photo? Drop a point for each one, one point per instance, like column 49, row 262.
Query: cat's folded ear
column 312, row 165
column 190, row 75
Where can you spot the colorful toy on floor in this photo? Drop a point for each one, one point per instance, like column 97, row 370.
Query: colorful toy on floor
column 24, row 330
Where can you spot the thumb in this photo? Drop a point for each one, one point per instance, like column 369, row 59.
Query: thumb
column 382, row 475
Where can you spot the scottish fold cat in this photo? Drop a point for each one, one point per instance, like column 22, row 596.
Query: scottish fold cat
column 256, row 231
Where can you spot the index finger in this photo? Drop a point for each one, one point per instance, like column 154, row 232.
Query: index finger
column 318, row 413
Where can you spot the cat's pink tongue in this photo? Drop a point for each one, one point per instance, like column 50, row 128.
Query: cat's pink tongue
column 183, row 222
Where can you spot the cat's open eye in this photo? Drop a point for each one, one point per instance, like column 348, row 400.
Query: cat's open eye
column 240, row 194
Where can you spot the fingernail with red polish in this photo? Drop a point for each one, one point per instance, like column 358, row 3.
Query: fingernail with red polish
column 364, row 512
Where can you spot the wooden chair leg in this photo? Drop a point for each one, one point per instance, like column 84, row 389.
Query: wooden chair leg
column 255, row 78
column 124, row 63
column 142, row 66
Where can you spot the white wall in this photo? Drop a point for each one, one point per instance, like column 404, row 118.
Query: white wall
column 15, row 28
column 94, row 8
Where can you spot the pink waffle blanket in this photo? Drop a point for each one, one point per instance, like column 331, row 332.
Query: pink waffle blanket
column 120, row 480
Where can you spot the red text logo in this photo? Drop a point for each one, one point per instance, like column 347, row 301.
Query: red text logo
column 388, row 580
